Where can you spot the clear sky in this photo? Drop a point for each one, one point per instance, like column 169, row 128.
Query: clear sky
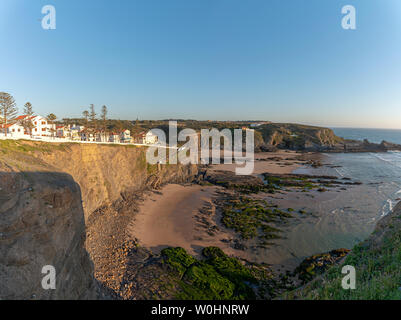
column 279, row 60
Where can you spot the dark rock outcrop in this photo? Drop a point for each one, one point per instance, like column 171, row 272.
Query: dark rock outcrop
column 42, row 223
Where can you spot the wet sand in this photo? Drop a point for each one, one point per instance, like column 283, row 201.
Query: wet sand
column 168, row 219
column 280, row 162
column 171, row 217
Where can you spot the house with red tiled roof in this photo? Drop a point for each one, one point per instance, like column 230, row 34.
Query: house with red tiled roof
column 40, row 127
column 15, row 130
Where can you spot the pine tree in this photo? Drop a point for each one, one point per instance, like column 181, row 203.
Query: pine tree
column 92, row 118
column 27, row 122
column 8, row 109
column 104, row 119
column 86, row 115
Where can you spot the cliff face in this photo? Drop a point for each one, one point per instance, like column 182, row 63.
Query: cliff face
column 47, row 195
column 42, row 223
column 296, row 136
column 309, row 138
column 106, row 172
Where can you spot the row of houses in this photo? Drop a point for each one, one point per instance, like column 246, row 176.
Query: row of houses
column 42, row 129
column 80, row 133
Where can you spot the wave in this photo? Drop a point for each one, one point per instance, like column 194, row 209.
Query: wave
column 394, row 161
column 387, row 208
column 339, row 172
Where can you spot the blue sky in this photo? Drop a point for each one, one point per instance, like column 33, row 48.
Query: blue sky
column 279, row 60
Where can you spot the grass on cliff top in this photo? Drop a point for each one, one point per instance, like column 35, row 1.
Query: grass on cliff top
column 27, row 146
column 378, row 271
column 218, row 277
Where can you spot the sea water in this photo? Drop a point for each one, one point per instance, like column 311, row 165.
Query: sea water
column 373, row 135
column 342, row 218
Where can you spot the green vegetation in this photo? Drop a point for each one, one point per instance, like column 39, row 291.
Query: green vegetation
column 250, row 188
column 253, row 218
column 178, row 259
column 151, row 168
column 218, row 277
column 25, row 146
column 282, row 182
column 377, row 262
column 318, row 264
column 303, row 182
column 293, row 136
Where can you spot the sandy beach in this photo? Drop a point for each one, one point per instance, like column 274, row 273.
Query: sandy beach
column 186, row 216
column 171, row 218
column 279, row 162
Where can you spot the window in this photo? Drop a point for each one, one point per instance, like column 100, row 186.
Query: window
column 43, row 122
column 36, row 123
column 19, row 130
column 36, row 129
column 13, row 130
column 43, row 129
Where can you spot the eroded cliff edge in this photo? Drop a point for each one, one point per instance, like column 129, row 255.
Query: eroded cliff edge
column 68, row 205
column 52, row 196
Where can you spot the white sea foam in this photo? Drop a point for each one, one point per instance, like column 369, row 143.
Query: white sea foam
column 387, row 208
column 339, row 172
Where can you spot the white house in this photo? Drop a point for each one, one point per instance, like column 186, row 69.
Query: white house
column 114, row 137
column 87, row 135
column 15, row 130
column 150, row 138
column 63, row 131
column 41, row 127
column 75, row 132
column 258, row 124
column 125, row 136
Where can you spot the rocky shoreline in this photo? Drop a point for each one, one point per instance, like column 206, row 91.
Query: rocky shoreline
column 244, row 215
column 238, row 198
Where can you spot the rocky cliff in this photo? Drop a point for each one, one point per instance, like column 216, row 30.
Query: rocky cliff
column 107, row 172
column 296, row 136
column 310, row 138
column 51, row 197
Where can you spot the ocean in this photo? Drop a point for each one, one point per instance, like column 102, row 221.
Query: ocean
column 373, row 135
column 343, row 219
